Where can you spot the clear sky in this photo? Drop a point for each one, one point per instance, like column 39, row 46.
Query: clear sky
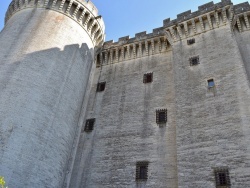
column 127, row 17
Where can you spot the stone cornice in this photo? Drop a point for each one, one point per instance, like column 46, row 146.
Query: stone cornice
column 84, row 13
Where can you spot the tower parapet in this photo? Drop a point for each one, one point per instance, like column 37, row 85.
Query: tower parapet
column 83, row 12
column 188, row 24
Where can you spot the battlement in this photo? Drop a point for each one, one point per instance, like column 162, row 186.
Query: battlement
column 187, row 25
column 187, row 16
column 241, row 8
column 203, row 9
column 83, row 12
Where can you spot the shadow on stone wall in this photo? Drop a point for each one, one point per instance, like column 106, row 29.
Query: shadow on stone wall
column 42, row 95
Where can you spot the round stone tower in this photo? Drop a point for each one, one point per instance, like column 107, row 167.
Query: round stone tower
column 47, row 57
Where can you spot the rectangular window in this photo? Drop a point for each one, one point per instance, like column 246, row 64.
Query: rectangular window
column 191, row 41
column 194, row 61
column 148, row 78
column 142, row 170
column 101, row 86
column 161, row 116
column 210, row 83
column 222, row 178
column 89, row 126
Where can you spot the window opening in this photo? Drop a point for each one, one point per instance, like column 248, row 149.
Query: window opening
column 101, row 86
column 222, row 178
column 194, row 61
column 191, row 41
column 211, row 83
column 89, row 126
column 161, row 116
column 148, row 78
column 142, row 170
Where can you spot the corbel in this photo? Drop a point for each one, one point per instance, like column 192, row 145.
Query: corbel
column 186, row 28
column 53, row 3
column 76, row 10
column 153, row 45
column 238, row 23
column 179, row 32
column 209, row 21
column 224, row 14
column 70, row 5
column 246, row 20
column 81, row 17
column 62, row 4
column 202, row 24
column 146, row 47
column 194, row 26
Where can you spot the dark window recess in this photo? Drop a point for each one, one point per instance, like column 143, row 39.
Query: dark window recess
column 222, row 178
column 89, row 126
column 194, row 61
column 161, row 116
column 191, row 41
column 211, row 83
column 101, row 86
column 147, row 78
column 142, row 171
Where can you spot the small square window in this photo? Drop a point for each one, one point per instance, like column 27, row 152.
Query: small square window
column 211, row 83
column 148, row 78
column 101, row 86
column 89, row 126
column 141, row 171
column 161, row 116
column 222, row 178
column 191, row 41
column 194, row 61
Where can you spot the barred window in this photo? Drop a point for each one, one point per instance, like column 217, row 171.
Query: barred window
column 222, row 178
column 194, row 61
column 142, row 170
column 191, row 41
column 89, row 126
column 147, row 78
column 161, row 116
column 101, row 86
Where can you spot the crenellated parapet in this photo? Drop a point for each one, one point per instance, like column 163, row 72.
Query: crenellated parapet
column 126, row 48
column 208, row 17
column 241, row 18
column 187, row 25
column 81, row 11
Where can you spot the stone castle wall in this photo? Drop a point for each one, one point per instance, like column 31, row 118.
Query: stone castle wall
column 207, row 128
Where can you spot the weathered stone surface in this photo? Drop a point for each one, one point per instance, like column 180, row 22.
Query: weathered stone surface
column 46, row 59
column 48, row 78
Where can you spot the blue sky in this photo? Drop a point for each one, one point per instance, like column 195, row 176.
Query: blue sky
column 127, row 17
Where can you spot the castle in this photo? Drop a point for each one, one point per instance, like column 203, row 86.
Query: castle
column 168, row 109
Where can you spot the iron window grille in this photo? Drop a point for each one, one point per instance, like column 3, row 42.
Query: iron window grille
column 161, row 116
column 142, row 171
column 222, row 178
column 148, row 78
column 191, row 41
column 194, row 61
column 101, row 86
column 89, row 126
